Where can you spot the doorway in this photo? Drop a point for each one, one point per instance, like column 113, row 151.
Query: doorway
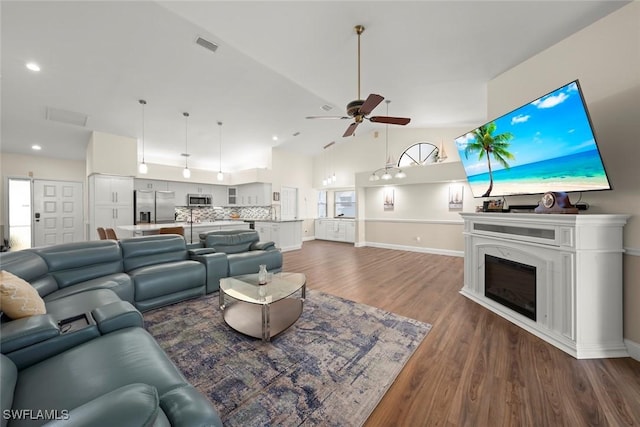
column 44, row 213
column 19, row 208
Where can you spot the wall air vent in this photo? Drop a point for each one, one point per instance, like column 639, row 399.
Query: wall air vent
column 207, row 44
column 67, row 117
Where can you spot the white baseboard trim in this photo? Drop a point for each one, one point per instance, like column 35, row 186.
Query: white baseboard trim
column 308, row 238
column 434, row 251
column 633, row 348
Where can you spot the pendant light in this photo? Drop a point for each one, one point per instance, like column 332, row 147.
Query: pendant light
column 388, row 167
column 220, row 175
column 186, row 172
column 142, row 167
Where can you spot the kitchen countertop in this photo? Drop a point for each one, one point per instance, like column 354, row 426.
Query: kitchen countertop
column 186, row 225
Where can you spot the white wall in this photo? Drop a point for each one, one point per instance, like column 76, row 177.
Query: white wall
column 294, row 170
column 37, row 167
column 605, row 57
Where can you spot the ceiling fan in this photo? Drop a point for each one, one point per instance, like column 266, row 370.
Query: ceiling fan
column 360, row 109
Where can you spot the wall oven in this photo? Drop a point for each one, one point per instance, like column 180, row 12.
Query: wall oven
column 199, row 200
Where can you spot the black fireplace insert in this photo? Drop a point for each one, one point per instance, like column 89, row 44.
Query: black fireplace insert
column 511, row 283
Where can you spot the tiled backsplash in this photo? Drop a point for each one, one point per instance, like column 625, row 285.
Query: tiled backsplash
column 198, row 214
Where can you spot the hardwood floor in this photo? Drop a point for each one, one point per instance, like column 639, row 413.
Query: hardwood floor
column 474, row 368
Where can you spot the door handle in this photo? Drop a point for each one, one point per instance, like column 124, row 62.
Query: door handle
column 37, row 216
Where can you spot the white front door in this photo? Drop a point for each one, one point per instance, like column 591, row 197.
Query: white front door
column 57, row 212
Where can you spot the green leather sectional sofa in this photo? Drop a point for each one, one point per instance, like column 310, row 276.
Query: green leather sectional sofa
column 88, row 360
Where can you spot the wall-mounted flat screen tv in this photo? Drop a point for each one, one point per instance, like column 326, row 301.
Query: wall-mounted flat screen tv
column 545, row 145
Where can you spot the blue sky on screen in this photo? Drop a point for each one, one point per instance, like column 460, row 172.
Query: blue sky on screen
column 554, row 125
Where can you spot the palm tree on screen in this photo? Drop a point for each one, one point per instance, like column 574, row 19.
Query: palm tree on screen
column 487, row 144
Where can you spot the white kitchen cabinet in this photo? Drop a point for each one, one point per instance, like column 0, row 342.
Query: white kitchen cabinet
column 350, row 231
column 110, row 202
column 340, row 230
column 150, row 184
column 180, row 190
column 219, row 195
column 264, row 231
column 232, row 196
column 253, row 194
column 286, row 235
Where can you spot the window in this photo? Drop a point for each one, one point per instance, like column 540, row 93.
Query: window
column 345, row 204
column 418, row 154
column 322, row 204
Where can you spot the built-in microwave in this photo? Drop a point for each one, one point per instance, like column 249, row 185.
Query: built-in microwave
column 199, row 199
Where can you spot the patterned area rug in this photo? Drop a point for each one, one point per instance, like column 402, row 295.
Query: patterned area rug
column 330, row 368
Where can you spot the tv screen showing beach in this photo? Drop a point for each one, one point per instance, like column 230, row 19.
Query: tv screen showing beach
column 545, row 145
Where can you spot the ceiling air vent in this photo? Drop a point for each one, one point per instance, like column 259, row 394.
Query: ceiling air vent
column 207, row 44
column 68, row 117
column 327, row 107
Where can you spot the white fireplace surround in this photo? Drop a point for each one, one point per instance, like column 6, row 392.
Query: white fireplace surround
column 578, row 261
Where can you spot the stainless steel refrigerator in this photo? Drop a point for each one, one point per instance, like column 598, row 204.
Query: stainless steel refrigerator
column 165, row 202
column 144, row 207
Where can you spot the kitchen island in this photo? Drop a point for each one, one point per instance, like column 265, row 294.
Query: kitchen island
column 191, row 230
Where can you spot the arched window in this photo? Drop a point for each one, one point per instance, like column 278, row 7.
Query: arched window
column 419, row 154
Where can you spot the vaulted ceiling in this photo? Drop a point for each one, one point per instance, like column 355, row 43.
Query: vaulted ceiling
column 276, row 63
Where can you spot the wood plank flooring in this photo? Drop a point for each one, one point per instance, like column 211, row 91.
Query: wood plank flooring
column 474, row 368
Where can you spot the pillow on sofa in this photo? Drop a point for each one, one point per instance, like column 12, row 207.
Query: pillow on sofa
column 18, row 298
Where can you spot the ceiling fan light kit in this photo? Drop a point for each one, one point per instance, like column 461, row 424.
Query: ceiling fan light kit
column 359, row 109
column 388, row 168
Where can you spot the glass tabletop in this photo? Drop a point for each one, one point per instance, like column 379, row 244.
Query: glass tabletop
column 279, row 286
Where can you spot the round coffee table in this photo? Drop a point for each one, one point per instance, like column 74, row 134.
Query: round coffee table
column 262, row 311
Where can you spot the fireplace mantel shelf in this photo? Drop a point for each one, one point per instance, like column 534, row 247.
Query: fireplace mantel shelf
column 578, row 263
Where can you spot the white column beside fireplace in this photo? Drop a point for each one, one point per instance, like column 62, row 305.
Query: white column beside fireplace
column 578, row 275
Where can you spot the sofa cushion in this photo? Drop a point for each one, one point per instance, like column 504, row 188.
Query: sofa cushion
column 73, row 263
column 167, row 278
column 249, row 262
column 120, row 283
column 150, row 250
column 32, row 268
column 18, row 298
column 104, row 364
column 231, row 241
column 8, row 380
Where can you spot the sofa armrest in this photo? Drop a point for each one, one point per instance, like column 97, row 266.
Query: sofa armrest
column 133, row 405
column 117, row 315
column 27, row 331
column 194, row 245
column 201, row 251
column 217, row 267
column 186, row 406
column 262, row 246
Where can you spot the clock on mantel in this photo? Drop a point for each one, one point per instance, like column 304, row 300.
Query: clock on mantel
column 555, row 202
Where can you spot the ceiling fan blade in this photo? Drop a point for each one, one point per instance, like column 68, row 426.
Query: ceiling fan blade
column 372, row 102
column 352, row 128
column 390, row 120
column 328, row 117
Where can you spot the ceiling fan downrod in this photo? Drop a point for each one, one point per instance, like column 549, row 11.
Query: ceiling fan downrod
column 359, row 30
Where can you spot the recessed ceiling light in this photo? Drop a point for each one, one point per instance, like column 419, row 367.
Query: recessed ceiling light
column 36, row 147
column 33, row 66
column 275, row 137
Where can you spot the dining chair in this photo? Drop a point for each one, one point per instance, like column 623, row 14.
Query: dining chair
column 172, row 230
column 102, row 234
column 111, row 234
